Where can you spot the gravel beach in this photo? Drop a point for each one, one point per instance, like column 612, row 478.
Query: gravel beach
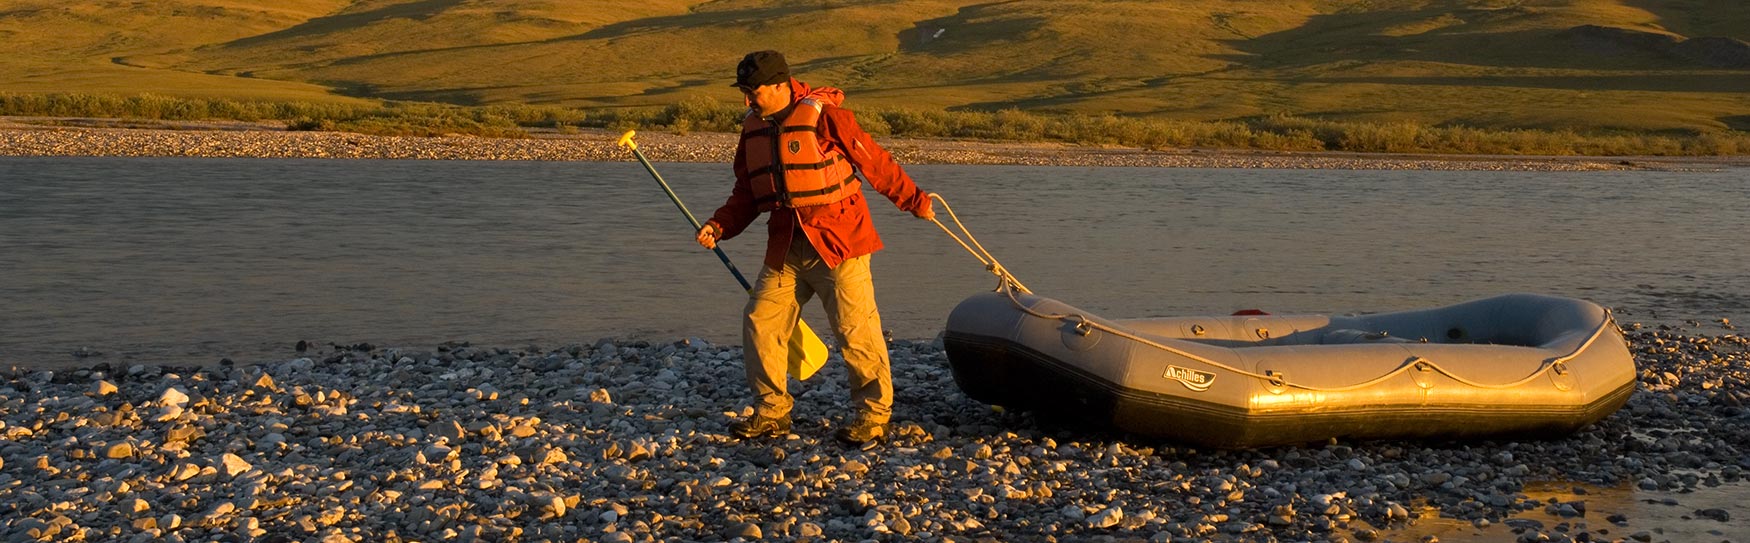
column 624, row 441
column 97, row 137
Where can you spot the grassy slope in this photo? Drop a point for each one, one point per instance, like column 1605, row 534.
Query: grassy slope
column 1491, row 63
column 58, row 46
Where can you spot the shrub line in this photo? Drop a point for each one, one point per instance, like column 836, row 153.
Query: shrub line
column 706, row 114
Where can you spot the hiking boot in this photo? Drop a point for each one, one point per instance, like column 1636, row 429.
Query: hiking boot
column 862, row 431
column 759, row 426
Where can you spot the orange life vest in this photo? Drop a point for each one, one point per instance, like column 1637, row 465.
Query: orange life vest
column 786, row 164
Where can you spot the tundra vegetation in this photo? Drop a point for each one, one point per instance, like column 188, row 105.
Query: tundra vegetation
column 1447, row 76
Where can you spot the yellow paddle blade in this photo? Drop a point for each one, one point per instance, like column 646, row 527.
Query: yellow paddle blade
column 807, row 352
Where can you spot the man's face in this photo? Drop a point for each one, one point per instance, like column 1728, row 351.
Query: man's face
column 768, row 99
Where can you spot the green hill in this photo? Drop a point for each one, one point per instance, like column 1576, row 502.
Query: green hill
column 1642, row 65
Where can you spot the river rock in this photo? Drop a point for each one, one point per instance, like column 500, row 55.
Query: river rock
column 119, row 451
column 173, row 396
column 1106, row 518
column 234, row 465
column 746, row 530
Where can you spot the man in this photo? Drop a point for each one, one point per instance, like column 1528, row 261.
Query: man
column 798, row 159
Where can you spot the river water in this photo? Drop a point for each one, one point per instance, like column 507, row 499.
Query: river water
column 191, row 260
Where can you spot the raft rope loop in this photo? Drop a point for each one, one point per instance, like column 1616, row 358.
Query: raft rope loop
column 1009, row 285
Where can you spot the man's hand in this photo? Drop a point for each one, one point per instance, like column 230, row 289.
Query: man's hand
column 708, row 235
column 928, row 212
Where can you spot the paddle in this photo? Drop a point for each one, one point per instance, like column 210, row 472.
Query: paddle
column 807, row 352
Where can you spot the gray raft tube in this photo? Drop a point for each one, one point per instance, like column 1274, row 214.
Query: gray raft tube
column 1513, row 366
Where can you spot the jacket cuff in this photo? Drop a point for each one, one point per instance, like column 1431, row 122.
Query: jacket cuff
column 722, row 233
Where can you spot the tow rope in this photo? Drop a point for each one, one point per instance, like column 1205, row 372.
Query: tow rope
column 1008, row 284
column 1008, row 280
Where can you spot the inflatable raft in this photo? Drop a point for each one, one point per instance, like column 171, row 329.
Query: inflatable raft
column 1518, row 365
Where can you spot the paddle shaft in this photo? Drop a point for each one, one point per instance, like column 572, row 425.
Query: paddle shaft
column 690, row 218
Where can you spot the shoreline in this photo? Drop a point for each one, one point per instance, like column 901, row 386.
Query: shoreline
column 625, row 439
column 39, row 137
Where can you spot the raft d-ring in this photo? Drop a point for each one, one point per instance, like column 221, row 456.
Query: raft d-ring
column 1424, row 374
column 1079, row 334
column 1563, row 379
column 1277, row 379
column 1274, row 380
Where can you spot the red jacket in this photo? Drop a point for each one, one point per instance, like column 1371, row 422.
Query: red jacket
column 841, row 230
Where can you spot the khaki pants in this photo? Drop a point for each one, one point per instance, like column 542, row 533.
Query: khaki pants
column 849, row 294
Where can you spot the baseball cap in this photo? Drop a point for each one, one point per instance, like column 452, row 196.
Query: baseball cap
column 761, row 68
